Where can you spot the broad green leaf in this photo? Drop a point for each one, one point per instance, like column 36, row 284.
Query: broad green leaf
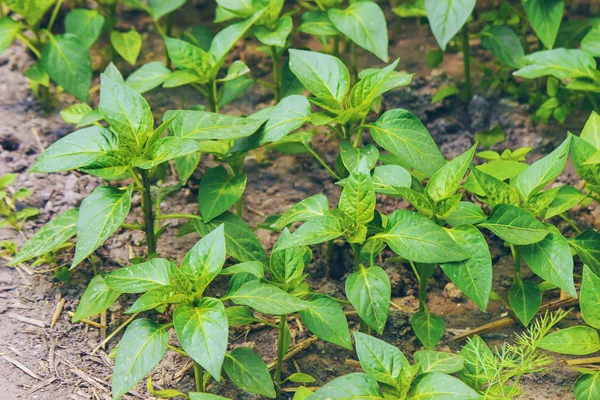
column 241, row 243
column 313, row 206
column 112, row 72
column 87, row 25
column 351, row 156
column 525, row 299
column 267, row 299
column 252, row 267
column 348, row 387
column 239, row 8
column 142, row 347
column 437, row 361
column 587, row 387
column 495, row 191
column 142, row 277
column 581, row 151
column 100, row 215
column 98, row 297
column 591, row 42
column 551, row 260
column 418, row 200
column 419, row 239
column 167, row 148
column 317, row 23
column 542, row 172
column 559, row 63
column 231, row 90
column 358, row 195
column 181, row 78
column 76, row 150
column 364, row 23
column 380, row 360
column 73, row 114
column 473, row 276
column 545, row 17
column 90, row 118
column 186, row 166
column 391, row 80
column 314, row 231
column 428, row 328
column 68, row 63
column 371, row 87
column 157, row 298
column 203, row 333
column 287, row 266
column 591, row 130
column 247, row 370
column 386, row 178
column 590, row 298
column 127, row 112
column 439, row 386
column 404, row 135
column 566, row 198
column 201, row 125
column 587, row 246
column 515, row 225
column 224, row 41
column 218, row 191
column 447, row 17
column 9, row 29
column 50, row 236
column 576, row 340
column 446, row 181
column 445, row 92
column 186, row 56
column 504, row 43
column 32, row 10
column 205, row 260
column 240, row 316
column 235, row 70
column 160, row 8
column 369, row 292
column 466, row 213
column 279, row 33
column 325, row 318
column 148, row 76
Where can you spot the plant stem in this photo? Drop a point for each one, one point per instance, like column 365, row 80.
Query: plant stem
column 517, row 259
column 422, row 287
column 275, row 59
column 148, row 212
column 336, row 46
column 213, row 98
column 570, row 222
column 199, row 378
column 280, row 353
column 467, row 63
column 320, row 160
column 29, row 45
column 177, row 216
column 54, row 14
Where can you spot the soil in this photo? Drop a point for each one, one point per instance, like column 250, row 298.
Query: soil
column 60, row 362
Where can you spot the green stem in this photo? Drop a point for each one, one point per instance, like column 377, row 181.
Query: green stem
column 422, row 288
column 54, row 14
column 214, row 97
column 148, row 212
column 178, row 350
column 467, row 62
column 177, row 216
column 517, row 260
column 593, row 101
column 320, row 160
column 29, row 45
column 134, row 227
column 199, row 378
column 336, row 46
column 276, row 73
column 280, row 354
column 570, row 222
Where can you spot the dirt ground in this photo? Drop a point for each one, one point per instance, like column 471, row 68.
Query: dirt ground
column 39, row 362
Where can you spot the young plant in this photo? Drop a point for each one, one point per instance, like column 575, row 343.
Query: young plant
column 385, row 367
column 585, row 153
column 12, row 213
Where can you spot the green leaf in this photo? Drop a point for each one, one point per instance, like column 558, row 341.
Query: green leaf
column 559, row 63
column 267, row 299
column 591, row 42
column 545, row 17
column 380, row 360
column 495, row 191
column 364, row 23
column 68, row 63
column 466, row 213
column 32, row 10
column 590, row 298
column 542, row 172
column 325, row 318
column 317, row 23
column 157, row 298
column 438, row 386
column 566, row 198
column 428, row 328
column 98, row 297
column 205, row 260
column 314, row 231
column 437, row 361
column 9, row 29
column 241, row 243
column 186, row 56
column 287, row 266
column 504, row 43
column 444, row 92
column 205, row 396
column 142, row 277
column 587, row 246
column 447, row 17
column 419, row 239
column 551, row 260
column 240, row 316
column 479, row 363
column 515, row 225
column 351, row 156
column 581, row 151
column 87, row 25
column 148, row 76
column 369, row 292
column 386, row 178
column 218, row 191
column 252, row 267
column 313, row 206
column 247, row 370
column 576, row 340
column 203, row 333
column 587, row 387
column 160, row 8
column 372, row 86
column 358, row 196
column 351, row 386
column 446, row 181
column 277, row 35
column 591, row 130
column 472, row 276
column 100, row 215
column 299, row 377
column 224, row 41
column 525, row 299
column 49, row 237
column 490, row 137
column 404, row 135
column 201, row 125
column 142, row 347
column 73, row 114
column 127, row 112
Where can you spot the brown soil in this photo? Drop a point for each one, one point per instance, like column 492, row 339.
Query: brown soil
column 61, row 359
